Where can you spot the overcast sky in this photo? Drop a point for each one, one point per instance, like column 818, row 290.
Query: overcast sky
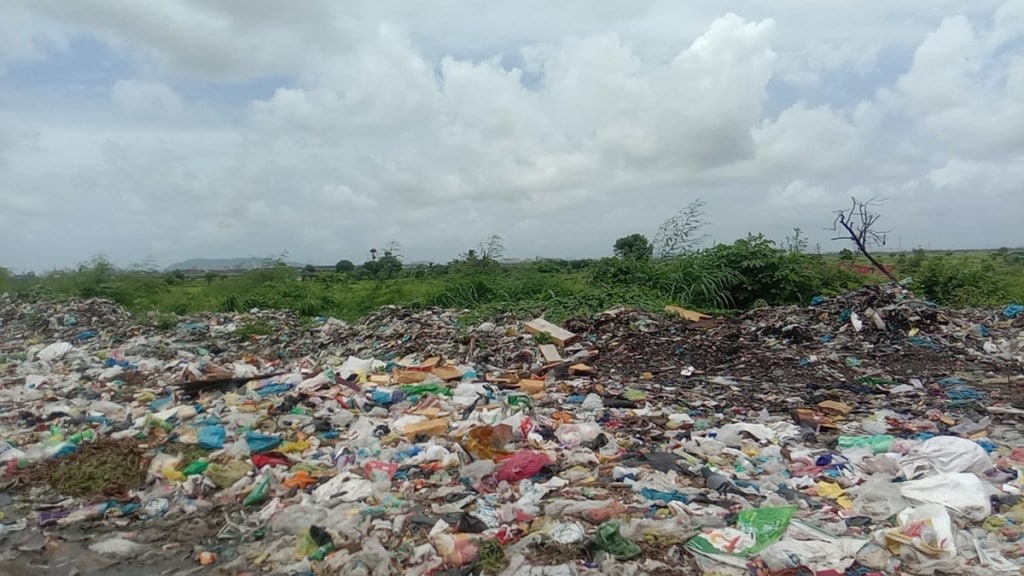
column 219, row 128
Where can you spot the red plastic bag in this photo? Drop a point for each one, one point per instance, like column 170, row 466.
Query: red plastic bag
column 388, row 469
column 522, row 465
column 270, row 459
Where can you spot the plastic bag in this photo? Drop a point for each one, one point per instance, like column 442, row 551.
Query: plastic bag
column 195, row 468
column 927, row 529
column 522, row 465
column 211, row 437
column 457, row 549
column 964, row 494
column 54, row 351
column 259, row 493
column 878, row 498
column 733, row 434
column 946, row 454
column 261, row 442
column 764, row 526
column 573, row 435
column 608, row 539
column 224, row 475
column 878, row 444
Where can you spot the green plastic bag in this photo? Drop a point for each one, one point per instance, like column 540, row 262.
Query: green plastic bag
column 608, row 539
column 766, row 525
column 197, row 467
column 259, row 493
column 305, row 545
column 421, row 389
column 879, row 444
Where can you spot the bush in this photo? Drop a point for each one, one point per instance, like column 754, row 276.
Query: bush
column 961, row 282
column 767, row 274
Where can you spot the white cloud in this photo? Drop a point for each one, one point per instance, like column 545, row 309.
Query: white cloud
column 560, row 127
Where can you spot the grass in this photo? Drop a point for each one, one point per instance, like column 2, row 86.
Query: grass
column 748, row 273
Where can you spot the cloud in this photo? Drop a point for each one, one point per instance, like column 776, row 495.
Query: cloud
column 146, row 99
column 250, row 130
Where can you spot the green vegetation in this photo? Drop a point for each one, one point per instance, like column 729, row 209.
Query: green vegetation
column 750, row 272
column 673, row 269
column 633, row 247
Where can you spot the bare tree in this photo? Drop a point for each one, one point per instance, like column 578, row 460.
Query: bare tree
column 394, row 247
column 856, row 224
column 493, row 247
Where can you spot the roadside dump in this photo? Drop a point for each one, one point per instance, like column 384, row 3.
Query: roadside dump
column 866, row 434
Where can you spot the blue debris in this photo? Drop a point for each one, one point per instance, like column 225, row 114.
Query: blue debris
column 261, row 442
column 924, row 342
column 658, row 495
column 212, row 437
column 271, row 389
column 1013, row 311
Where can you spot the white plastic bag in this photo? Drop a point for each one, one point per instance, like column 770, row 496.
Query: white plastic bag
column 878, row 498
column 945, row 454
column 963, row 494
column 54, row 351
column 932, row 531
column 731, row 434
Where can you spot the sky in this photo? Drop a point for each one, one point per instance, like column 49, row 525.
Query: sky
column 160, row 131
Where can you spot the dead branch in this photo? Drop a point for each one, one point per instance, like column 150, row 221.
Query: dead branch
column 857, row 225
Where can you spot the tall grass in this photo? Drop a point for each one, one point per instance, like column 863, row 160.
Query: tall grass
column 750, row 272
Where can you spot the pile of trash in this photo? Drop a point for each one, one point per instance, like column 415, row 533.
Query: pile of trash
column 867, row 434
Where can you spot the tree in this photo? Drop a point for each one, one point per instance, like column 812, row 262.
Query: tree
column 857, row 224
column 394, row 247
column 388, row 265
column 344, row 266
column 633, row 247
column 681, row 233
column 846, row 255
column 492, row 248
column 210, row 276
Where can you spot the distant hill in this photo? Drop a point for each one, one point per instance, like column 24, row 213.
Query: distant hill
column 250, row 263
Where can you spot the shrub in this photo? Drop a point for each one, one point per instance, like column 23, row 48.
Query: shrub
column 961, row 282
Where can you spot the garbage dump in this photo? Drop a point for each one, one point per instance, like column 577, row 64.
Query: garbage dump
column 869, row 434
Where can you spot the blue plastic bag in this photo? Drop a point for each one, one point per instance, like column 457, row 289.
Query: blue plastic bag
column 1013, row 310
column 212, row 437
column 261, row 442
column 273, row 388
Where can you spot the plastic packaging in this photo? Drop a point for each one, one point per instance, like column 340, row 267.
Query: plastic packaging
column 259, row 494
column 522, row 465
column 765, row 525
column 927, row 529
column 225, row 475
column 457, row 550
column 963, row 493
column 261, row 442
column 946, row 454
column 211, row 437
column 611, row 541
column 878, row 444
column 878, row 498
